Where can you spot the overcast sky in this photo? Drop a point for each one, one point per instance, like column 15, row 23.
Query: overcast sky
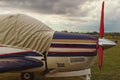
column 71, row 15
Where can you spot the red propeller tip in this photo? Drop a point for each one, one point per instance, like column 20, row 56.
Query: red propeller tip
column 102, row 21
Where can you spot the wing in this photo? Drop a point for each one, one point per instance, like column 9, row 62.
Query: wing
column 12, row 59
column 18, row 64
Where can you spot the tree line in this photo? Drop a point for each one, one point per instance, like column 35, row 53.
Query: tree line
column 109, row 35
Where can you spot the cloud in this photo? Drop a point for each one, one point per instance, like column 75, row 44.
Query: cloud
column 46, row 6
column 77, row 15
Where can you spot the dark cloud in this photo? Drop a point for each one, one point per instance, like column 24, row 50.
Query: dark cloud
column 62, row 7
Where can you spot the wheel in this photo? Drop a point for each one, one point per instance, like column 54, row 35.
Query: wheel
column 27, row 76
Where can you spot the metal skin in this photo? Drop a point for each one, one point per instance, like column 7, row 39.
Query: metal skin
column 66, row 47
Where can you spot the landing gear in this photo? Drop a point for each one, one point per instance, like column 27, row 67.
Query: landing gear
column 27, row 76
column 45, row 60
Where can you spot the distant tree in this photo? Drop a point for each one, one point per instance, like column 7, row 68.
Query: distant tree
column 95, row 32
column 65, row 31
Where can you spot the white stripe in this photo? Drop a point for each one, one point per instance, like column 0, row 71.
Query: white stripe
column 6, row 50
column 72, row 43
column 71, row 50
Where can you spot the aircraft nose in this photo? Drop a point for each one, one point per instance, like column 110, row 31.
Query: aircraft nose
column 106, row 43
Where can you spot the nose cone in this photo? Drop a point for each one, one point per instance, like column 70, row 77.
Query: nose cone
column 106, row 43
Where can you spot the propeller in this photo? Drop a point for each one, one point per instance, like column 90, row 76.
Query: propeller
column 102, row 22
column 100, row 48
column 100, row 51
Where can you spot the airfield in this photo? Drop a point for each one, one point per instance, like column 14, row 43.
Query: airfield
column 110, row 69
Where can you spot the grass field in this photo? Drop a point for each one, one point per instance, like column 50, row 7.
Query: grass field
column 110, row 69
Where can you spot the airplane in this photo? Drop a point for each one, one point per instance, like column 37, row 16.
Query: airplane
column 28, row 45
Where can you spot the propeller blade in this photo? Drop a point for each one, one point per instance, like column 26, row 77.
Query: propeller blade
column 100, row 48
column 102, row 22
column 100, row 56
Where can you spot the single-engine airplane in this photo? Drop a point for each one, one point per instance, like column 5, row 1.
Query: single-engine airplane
column 27, row 45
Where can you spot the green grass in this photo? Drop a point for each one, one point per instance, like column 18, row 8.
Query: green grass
column 110, row 69
column 9, row 76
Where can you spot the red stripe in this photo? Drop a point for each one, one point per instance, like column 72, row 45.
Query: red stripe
column 2, row 46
